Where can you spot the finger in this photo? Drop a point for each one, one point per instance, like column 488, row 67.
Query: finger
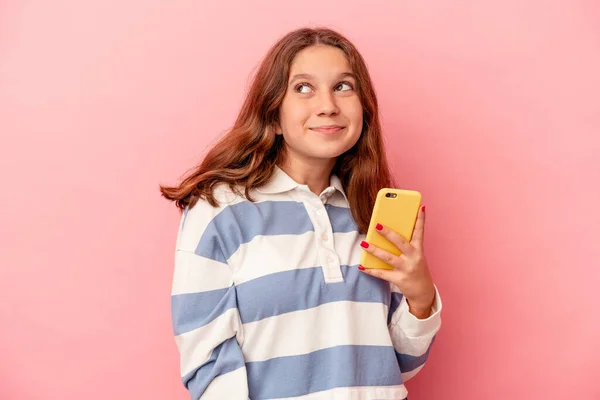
column 419, row 231
column 385, row 274
column 385, row 256
column 395, row 238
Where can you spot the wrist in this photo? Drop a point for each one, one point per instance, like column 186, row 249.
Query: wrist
column 420, row 313
column 421, row 310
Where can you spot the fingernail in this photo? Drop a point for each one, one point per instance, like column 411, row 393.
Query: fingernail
column 423, row 208
column 379, row 227
column 361, row 267
column 364, row 245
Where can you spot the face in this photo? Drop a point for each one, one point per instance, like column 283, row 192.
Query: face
column 321, row 116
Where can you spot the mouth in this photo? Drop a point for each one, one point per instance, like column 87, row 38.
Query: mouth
column 327, row 129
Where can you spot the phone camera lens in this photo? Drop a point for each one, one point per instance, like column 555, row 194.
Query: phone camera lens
column 388, row 195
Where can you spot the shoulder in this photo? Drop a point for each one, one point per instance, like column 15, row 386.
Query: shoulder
column 196, row 221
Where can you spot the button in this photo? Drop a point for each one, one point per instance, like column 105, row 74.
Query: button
column 324, row 237
column 320, row 212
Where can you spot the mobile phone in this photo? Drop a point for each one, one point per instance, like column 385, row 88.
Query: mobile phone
column 396, row 209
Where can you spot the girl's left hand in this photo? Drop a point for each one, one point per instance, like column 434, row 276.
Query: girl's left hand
column 410, row 274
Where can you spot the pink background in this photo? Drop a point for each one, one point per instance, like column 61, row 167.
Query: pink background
column 492, row 110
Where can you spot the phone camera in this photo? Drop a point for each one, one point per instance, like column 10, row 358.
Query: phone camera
column 392, row 195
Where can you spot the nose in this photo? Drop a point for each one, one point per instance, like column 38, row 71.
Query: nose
column 327, row 104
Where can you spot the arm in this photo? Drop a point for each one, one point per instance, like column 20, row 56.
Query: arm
column 410, row 279
column 206, row 322
column 412, row 337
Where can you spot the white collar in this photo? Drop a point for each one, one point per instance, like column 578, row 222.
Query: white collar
column 281, row 182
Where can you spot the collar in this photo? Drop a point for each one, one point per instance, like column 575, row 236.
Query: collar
column 281, row 182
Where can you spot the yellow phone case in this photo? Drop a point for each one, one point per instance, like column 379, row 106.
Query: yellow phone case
column 397, row 209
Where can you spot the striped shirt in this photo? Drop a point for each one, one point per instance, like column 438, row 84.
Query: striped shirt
column 268, row 302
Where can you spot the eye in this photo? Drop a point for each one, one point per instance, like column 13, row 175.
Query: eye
column 347, row 85
column 302, row 88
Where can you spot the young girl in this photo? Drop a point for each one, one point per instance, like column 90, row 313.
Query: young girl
column 269, row 300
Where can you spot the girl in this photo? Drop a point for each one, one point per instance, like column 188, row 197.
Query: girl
column 268, row 299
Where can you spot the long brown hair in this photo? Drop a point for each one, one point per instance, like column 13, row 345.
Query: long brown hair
column 248, row 153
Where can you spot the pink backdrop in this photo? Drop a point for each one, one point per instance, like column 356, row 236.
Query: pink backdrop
column 491, row 109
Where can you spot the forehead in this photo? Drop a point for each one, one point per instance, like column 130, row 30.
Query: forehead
column 320, row 60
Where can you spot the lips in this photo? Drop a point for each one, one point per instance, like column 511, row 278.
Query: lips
column 327, row 129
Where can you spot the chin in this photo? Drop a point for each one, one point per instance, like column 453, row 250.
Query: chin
column 328, row 154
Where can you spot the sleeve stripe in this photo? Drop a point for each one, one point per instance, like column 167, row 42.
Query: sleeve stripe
column 194, row 274
column 408, row 363
column 197, row 346
column 225, row 358
column 394, row 303
column 194, row 310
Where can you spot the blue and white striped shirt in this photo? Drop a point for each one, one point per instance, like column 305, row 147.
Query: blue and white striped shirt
column 268, row 303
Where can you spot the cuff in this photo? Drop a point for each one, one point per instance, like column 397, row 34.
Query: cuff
column 414, row 327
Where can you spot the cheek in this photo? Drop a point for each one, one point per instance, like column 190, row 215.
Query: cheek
column 292, row 115
column 355, row 113
column 357, row 124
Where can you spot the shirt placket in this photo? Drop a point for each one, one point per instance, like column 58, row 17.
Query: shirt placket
column 328, row 257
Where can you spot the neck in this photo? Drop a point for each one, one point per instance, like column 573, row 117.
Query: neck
column 313, row 173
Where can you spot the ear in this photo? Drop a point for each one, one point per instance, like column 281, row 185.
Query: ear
column 277, row 128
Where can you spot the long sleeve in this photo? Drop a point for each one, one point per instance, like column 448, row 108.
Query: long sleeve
column 206, row 322
column 412, row 337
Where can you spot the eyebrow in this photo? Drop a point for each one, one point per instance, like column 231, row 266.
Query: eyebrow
column 308, row 76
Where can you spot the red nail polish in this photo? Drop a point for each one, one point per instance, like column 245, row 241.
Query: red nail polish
column 379, row 227
column 423, row 208
column 361, row 267
column 364, row 245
